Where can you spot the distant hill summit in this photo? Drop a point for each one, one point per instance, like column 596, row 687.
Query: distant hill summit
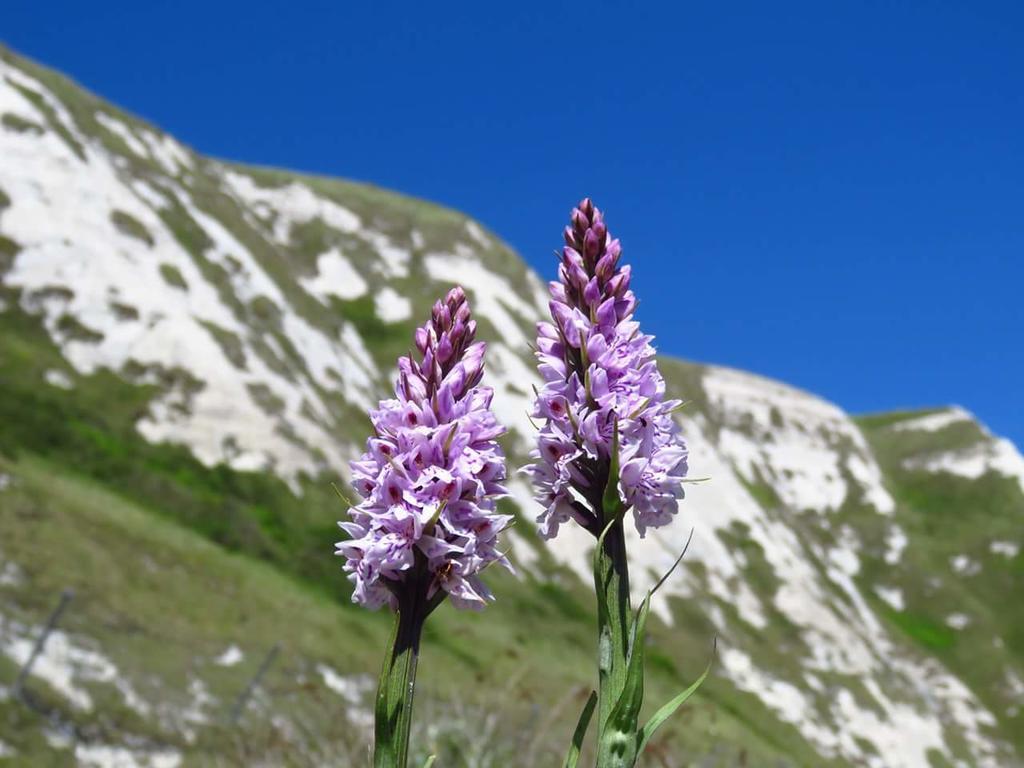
column 188, row 348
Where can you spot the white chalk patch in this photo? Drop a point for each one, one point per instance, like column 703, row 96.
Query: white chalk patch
column 292, row 204
column 123, row 132
column 394, row 260
column 891, row 595
column 107, row 756
column 933, row 422
column 491, row 295
column 995, row 455
column 797, row 443
column 335, row 277
column 1005, row 548
column 11, row 575
column 168, row 153
column 58, row 739
column 523, row 554
column 512, row 381
column 59, row 379
column 195, row 713
column 149, row 194
column 895, row 542
column 958, row 621
column 232, row 655
column 392, row 307
column 355, row 690
column 964, row 565
column 65, row 664
column 1014, row 685
column 478, row 235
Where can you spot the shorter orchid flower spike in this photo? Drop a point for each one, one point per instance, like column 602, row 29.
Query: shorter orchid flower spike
column 431, row 475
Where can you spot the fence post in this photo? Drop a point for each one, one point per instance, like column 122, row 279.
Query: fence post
column 244, row 696
column 37, row 649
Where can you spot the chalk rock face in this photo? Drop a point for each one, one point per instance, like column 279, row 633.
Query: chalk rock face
column 855, row 570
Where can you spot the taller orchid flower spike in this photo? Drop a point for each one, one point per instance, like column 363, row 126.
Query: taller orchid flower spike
column 603, row 398
column 426, row 526
column 608, row 445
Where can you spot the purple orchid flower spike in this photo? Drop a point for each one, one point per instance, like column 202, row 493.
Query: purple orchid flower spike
column 429, row 481
column 602, row 389
column 607, row 445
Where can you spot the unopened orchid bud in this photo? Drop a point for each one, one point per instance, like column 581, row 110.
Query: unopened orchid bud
column 586, row 207
column 456, row 296
column 580, row 223
column 591, row 246
column 422, row 338
column 457, row 334
column 605, row 267
column 444, row 349
column 614, row 249
column 444, row 318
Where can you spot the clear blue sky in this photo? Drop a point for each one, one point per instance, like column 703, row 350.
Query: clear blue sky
column 827, row 193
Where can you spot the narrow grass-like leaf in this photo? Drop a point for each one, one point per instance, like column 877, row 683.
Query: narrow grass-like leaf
column 430, row 761
column 669, row 709
column 614, row 619
column 384, row 707
column 679, row 559
column 341, row 495
column 602, row 609
column 581, row 731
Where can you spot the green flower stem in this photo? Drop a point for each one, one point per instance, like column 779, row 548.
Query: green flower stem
column 393, row 713
column 614, row 619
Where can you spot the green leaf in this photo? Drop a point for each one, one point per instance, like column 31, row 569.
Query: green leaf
column 669, row 709
column 611, row 502
column 430, row 761
column 341, row 495
column 620, row 737
column 382, row 709
column 393, row 709
column 581, row 731
column 675, row 565
column 602, row 609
